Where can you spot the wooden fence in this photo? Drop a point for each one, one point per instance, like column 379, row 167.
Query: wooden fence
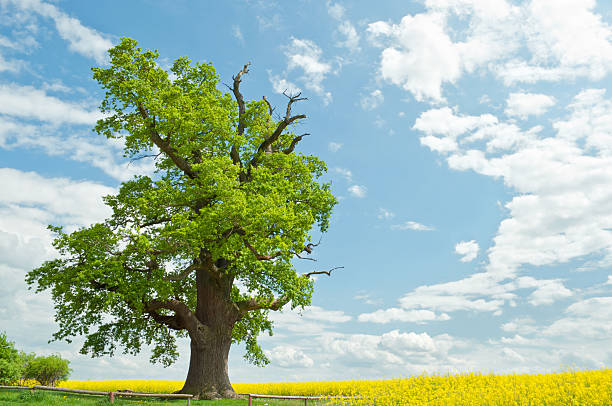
column 306, row 398
column 111, row 395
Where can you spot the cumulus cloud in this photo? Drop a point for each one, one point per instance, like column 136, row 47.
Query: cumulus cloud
column 310, row 320
column 424, row 51
column 98, row 152
column 523, row 105
column 289, row 357
column 467, row 249
column 558, row 213
column 394, row 348
column 345, row 28
column 306, row 56
column 358, row 191
column 589, row 318
column 392, row 314
column 345, row 173
column 30, row 103
column 412, row 225
column 282, row 85
column 81, row 39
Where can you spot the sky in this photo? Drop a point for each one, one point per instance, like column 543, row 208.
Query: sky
column 469, row 143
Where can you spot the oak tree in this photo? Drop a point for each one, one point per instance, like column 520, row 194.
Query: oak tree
column 204, row 248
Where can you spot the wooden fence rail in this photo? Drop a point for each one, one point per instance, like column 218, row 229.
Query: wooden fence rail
column 111, row 395
column 306, row 398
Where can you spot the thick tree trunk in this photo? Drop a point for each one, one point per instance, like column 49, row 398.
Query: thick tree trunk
column 207, row 377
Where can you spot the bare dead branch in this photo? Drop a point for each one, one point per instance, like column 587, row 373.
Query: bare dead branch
column 155, row 156
column 294, row 143
column 309, row 259
column 328, row 273
column 269, row 106
column 308, row 247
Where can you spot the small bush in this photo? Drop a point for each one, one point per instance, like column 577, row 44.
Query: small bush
column 47, row 370
column 11, row 365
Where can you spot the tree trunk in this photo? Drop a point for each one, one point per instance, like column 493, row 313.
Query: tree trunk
column 207, row 377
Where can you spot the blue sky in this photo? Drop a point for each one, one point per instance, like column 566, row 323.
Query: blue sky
column 469, row 143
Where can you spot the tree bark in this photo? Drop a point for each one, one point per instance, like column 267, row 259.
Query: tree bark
column 208, row 377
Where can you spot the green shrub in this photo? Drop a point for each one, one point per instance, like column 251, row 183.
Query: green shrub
column 47, row 370
column 11, row 365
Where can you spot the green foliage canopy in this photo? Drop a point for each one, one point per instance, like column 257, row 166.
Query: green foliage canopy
column 230, row 196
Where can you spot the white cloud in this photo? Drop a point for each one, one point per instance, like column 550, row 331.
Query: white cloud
column 546, row 292
column 512, row 355
column 609, row 282
column 421, row 56
column 396, row 314
column 30, row 103
column 389, row 350
column 345, row 27
column 358, row 191
column 305, row 55
column 373, row 100
column 334, row 146
column 468, row 250
column 310, row 320
column 98, row 152
column 51, row 199
column 282, row 85
column 367, row 299
column 566, row 41
column 561, row 208
column 237, row 33
column 385, row 214
column 589, row 318
column 289, row 357
column 523, row 105
column 412, row 225
column 522, row 325
column 424, row 51
column 345, row 173
column 83, row 40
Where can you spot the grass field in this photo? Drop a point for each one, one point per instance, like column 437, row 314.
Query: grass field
column 591, row 388
column 25, row 397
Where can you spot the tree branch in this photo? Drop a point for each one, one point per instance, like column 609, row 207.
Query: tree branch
column 328, row 273
column 183, row 318
column 276, row 304
column 258, row 255
column 144, row 156
column 269, row 106
column 165, row 147
column 266, row 145
column 294, row 143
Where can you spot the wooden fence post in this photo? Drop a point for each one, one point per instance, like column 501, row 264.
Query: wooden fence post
column 111, row 397
column 250, row 400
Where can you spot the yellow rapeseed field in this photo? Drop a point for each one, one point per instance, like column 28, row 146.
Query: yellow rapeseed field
column 566, row 388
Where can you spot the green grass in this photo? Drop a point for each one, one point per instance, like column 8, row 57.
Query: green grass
column 25, row 397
